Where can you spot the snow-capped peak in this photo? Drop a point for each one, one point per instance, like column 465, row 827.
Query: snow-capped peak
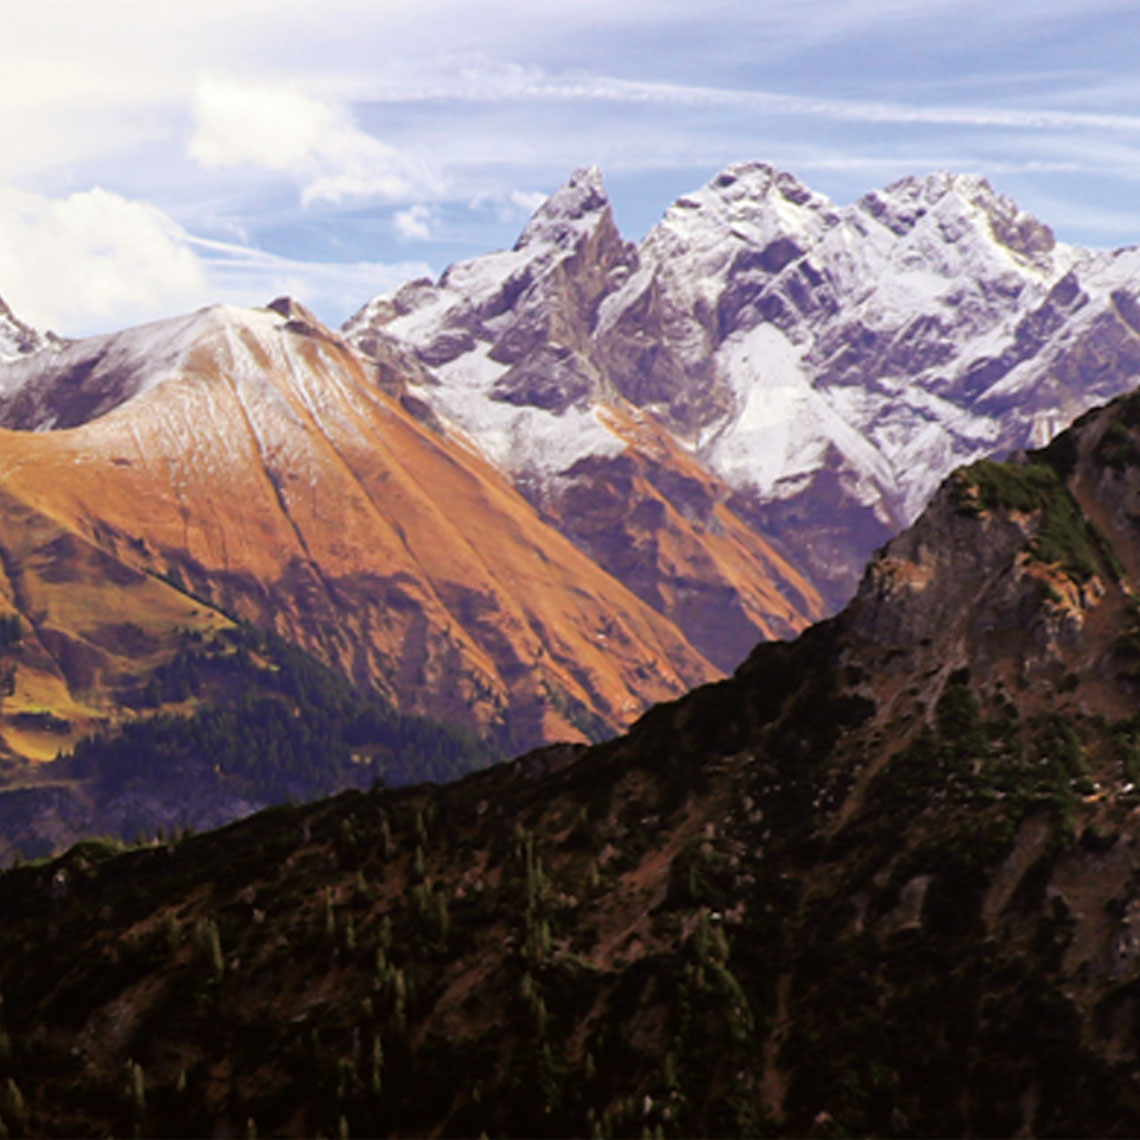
column 496, row 303
column 760, row 180
column 95, row 375
column 750, row 194
column 902, row 206
column 572, row 210
column 18, row 339
column 807, row 354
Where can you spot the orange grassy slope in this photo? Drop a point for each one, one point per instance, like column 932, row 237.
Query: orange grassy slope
column 267, row 473
column 91, row 630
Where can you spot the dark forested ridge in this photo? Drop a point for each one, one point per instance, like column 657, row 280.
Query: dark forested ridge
column 678, row 933
column 883, row 881
column 293, row 728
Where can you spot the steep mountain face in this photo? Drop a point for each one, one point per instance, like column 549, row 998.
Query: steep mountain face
column 826, row 367
column 263, row 469
column 510, row 340
column 882, row 881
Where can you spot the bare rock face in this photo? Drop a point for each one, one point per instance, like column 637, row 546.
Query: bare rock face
column 661, row 524
column 945, row 577
column 826, row 366
column 1022, row 571
column 553, row 379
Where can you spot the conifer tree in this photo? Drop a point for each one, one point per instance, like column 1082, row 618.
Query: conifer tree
column 12, row 1107
column 208, row 944
column 375, row 1079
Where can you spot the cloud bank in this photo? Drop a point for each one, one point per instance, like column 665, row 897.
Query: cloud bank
column 282, row 129
column 96, row 260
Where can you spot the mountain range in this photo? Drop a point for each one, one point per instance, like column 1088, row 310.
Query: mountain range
column 825, row 366
column 530, row 499
column 881, row 881
column 246, row 468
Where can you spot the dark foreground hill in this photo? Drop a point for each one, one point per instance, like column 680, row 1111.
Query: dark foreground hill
column 882, row 881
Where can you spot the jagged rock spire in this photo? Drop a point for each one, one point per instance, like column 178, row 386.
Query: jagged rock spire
column 576, row 207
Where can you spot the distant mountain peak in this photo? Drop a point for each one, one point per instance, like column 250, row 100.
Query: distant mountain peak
column 18, row 339
column 904, row 203
column 292, row 309
column 572, row 210
column 750, row 203
column 803, row 353
column 760, row 179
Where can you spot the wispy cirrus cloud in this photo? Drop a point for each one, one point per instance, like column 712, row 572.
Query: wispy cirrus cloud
column 253, row 277
column 483, row 82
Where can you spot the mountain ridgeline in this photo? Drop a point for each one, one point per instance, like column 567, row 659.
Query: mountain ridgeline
column 530, row 499
column 883, row 880
column 250, row 464
column 791, row 375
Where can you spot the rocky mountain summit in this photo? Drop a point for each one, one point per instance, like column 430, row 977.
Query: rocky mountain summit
column 18, row 339
column 882, row 881
column 510, row 342
column 822, row 367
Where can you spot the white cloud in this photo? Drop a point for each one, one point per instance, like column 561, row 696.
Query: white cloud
column 273, row 127
column 414, row 223
column 279, row 128
column 96, row 261
column 95, row 79
column 94, row 256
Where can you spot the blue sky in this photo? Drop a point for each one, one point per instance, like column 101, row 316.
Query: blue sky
column 161, row 155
